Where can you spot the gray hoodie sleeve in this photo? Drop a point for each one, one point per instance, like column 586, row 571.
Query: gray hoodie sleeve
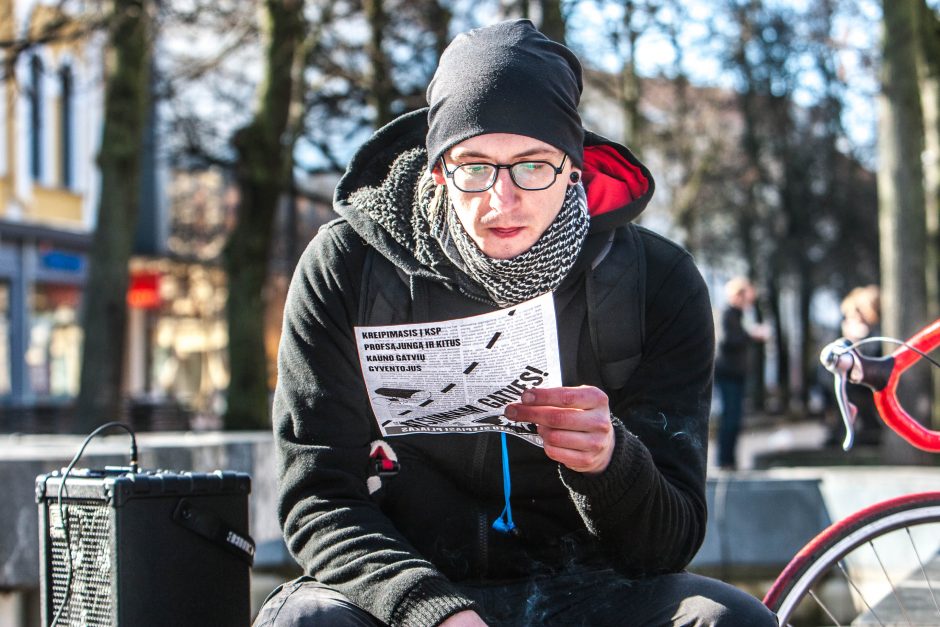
column 322, row 428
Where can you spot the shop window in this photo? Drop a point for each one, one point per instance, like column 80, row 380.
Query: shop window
column 65, row 126
column 53, row 356
column 35, row 117
column 5, row 339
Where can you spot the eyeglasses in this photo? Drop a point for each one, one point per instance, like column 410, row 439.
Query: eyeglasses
column 528, row 175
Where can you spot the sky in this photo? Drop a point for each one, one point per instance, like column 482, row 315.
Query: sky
column 655, row 55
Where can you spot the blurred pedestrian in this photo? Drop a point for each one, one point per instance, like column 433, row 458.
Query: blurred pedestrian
column 731, row 366
column 861, row 319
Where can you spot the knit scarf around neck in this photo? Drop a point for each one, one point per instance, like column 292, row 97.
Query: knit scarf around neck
column 537, row 271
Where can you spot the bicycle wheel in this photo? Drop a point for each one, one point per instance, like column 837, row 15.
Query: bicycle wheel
column 879, row 566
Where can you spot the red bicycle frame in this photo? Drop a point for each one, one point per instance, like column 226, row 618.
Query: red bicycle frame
column 886, row 399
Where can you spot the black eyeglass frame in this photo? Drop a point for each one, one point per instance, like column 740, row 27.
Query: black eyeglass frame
column 504, row 166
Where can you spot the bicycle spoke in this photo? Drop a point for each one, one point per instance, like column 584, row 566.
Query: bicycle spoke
column 894, row 590
column 861, row 596
column 824, row 608
column 923, row 569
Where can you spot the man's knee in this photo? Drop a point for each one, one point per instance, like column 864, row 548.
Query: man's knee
column 306, row 603
column 731, row 608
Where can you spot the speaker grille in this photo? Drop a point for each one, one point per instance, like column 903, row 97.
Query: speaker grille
column 89, row 527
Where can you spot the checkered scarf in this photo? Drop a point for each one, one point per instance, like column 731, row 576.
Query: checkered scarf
column 537, row 271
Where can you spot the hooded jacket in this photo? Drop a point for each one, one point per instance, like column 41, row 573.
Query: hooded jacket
column 399, row 552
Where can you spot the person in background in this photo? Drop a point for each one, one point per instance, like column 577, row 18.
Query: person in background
column 732, row 366
column 861, row 319
column 492, row 196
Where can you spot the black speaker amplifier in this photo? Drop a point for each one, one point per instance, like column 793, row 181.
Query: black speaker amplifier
column 149, row 548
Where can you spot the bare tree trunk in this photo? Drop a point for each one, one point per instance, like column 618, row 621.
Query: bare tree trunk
column 901, row 203
column 745, row 227
column 263, row 147
column 104, row 318
column 630, row 91
column 381, row 89
column 553, row 22
column 930, row 101
column 780, row 338
column 685, row 199
column 809, row 351
column 747, row 219
column 439, row 16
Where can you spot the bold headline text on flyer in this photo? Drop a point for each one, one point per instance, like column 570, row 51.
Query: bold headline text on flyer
column 455, row 376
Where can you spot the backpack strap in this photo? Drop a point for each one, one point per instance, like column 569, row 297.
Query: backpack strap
column 616, row 303
column 381, row 299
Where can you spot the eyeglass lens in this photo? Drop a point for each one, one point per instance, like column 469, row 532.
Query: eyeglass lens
column 529, row 175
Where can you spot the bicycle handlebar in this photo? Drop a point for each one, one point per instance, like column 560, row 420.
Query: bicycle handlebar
column 881, row 374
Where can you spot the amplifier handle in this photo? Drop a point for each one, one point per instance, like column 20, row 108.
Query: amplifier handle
column 208, row 525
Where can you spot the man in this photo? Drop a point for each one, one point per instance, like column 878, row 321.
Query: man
column 731, row 366
column 474, row 204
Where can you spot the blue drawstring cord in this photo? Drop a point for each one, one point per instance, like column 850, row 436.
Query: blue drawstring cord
column 504, row 523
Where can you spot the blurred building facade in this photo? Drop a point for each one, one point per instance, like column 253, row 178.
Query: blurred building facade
column 176, row 298
column 50, row 120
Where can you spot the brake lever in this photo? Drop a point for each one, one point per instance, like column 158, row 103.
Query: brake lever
column 847, row 410
column 839, row 359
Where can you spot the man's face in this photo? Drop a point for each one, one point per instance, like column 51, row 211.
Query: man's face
column 505, row 220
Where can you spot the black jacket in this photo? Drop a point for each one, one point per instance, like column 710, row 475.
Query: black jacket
column 395, row 553
column 731, row 362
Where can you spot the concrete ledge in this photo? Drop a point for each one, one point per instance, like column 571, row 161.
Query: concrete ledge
column 757, row 519
column 756, row 524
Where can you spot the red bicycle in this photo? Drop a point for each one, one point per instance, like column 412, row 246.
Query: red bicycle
column 881, row 565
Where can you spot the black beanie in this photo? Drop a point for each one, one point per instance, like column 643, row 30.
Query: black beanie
column 506, row 78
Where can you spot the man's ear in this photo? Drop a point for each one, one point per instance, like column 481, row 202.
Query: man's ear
column 438, row 175
column 574, row 177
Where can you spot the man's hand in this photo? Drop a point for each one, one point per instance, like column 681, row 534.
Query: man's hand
column 760, row 332
column 574, row 424
column 466, row 618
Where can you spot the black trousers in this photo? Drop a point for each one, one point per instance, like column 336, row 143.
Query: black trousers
column 593, row 599
column 729, row 425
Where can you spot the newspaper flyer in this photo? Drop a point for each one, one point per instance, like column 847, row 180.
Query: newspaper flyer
column 456, row 376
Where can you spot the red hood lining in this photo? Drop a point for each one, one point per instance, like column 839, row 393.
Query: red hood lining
column 610, row 180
